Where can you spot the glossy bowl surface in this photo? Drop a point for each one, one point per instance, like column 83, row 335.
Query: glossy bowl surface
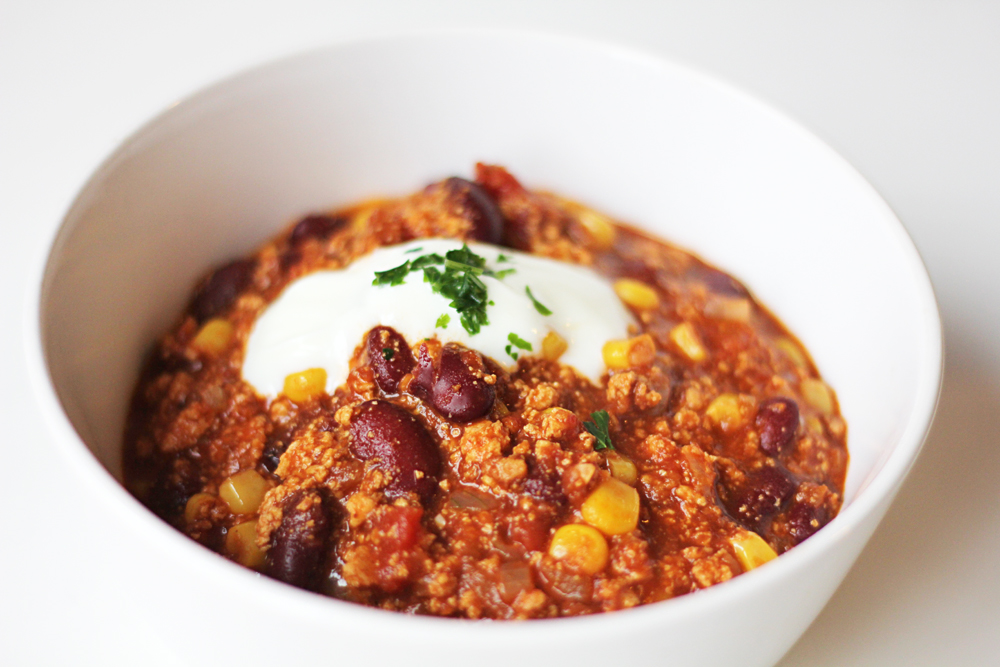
column 646, row 141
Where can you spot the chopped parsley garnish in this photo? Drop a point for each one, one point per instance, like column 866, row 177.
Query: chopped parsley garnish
column 459, row 281
column 388, row 353
column 500, row 275
column 443, row 321
column 519, row 343
column 538, row 306
column 599, row 429
column 412, row 250
column 503, row 258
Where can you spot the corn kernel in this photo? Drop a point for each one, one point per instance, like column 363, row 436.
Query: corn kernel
column 751, row 550
column 581, row 547
column 636, row 294
column 818, row 395
column 613, row 508
column 687, row 340
column 553, row 346
column 244, row 491
column 727, row 413
column 792, row 351
column 241, row 544
column 601, row 230
column 213, row 337
column 621, row 354
column 622, row 468
column 196, row 506
column 300, row 387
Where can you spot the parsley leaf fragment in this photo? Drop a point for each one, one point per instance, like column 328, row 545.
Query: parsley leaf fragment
column 442, row 322
column 519, row 343
column 393, row 276
column 388, row 353
column 538, row 306
column 599, row 429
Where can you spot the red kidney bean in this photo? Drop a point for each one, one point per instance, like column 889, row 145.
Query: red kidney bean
column 455, row 384
column 478, row 207
column 760, row 497
column 298, row 544
column 403, row 447
column 389, row 357
column 777, row 421
column 316, row 226
column 804, row 520
column 220, row 290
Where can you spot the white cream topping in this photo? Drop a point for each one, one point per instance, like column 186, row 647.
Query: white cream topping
column 321, row 318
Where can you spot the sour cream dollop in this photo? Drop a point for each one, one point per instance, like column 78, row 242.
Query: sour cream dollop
column 320, row 319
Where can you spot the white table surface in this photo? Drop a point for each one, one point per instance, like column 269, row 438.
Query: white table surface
column 907, row 91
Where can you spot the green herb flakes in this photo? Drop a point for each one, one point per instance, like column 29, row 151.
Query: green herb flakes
column 599, row 429
column 538, row 306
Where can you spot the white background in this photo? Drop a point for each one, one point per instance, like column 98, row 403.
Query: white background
column 907, row 91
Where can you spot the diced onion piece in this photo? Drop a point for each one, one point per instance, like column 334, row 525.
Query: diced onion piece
column 612, row 508
column 636, row 294
column 241, row 544
column 195, row 507
column 601, row 230
column 553, row 346
column 214, row 336
column 308, row 384
column 751, row 550
column 622, row 468
column 688, row 342
column 244, row 492
column 581, row 547
column 818, row 395
column 473, row 500
column 792, row 351
column 727, row 413
column 513, row 579
column 734, row 309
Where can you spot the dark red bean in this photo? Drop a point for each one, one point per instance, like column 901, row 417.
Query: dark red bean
column 759, row 497
column 477, row 206
column 389, row 357
column 455, row 384
column 717, row 281
column 804, row 520
column 317, row 226
column 221, row 289
column 404, row 449
column 298, row 544
column 777, row 421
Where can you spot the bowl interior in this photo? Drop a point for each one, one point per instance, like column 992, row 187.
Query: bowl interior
column 649, row 143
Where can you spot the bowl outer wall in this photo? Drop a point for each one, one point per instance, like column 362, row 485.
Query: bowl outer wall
column 830, row 552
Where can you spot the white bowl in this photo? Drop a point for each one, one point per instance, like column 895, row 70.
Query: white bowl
column 646, row 141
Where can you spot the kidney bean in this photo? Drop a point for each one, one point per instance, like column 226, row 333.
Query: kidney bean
column 389, row 357
column 298, row 544
column 220, row 290
column 777, row 421
column 403, row 447
column 760, row 497
column 804, row 520
column 455, row 384
column 316, row 226
column 478, row 207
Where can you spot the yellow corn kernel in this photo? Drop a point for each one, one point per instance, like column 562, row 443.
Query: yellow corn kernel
column 310, row 383
column 687, row 340
column 751, row 550
column 214, row 336
column 244, row 491
column 622, row 468
column 601, row 230
column 621, row 354
column 553, row 346
column 197, row 505
column 636, row 294
column 727, row 413
column 792, row 351
column 818, row 395
column 581, row 547
column 613, row 507
column 241, row 544
column 734, row 309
